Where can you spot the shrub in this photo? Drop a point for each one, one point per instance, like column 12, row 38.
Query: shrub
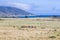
column 28, row 26
column 52, row 37
column 1, row 19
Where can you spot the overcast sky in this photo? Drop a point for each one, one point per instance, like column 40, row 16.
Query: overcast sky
column 45, row 7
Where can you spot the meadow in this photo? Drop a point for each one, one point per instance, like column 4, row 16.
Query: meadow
column 29, row 29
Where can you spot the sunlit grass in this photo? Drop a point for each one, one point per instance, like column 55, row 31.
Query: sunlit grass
column 46, row 29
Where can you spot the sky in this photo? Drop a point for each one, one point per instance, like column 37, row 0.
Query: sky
column 38, row 7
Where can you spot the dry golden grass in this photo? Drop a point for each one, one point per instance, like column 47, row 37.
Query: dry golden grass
column 43, row 29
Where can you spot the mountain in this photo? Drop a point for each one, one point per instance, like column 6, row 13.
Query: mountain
column 6, row 11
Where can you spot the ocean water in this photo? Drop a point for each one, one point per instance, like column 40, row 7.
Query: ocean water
column 39, row 16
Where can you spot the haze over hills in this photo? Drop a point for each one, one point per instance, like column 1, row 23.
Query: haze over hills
column 6, row 11
column 13, row 12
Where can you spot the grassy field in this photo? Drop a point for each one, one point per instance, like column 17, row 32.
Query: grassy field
column 29, row 29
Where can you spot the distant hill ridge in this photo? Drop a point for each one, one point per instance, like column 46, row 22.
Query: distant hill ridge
column 6, row 11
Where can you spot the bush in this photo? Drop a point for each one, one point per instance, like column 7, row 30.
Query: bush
column 52, row 37
column 28, row 26
column 1, row 19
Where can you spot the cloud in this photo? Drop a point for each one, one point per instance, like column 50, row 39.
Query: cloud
column 46, row 6
column 18, row 5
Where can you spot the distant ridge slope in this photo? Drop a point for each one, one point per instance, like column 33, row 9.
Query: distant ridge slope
column 6, row 11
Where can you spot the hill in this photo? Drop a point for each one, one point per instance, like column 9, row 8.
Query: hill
column 6, row 11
